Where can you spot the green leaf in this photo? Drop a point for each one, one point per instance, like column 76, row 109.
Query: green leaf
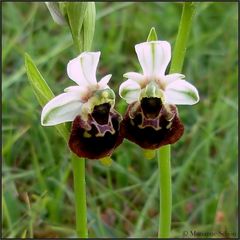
column 81, row 18
column 55, row 12
column 152, row 36
column 63, row 8
column 41, row 90
column 75, row 13
column 87, row 32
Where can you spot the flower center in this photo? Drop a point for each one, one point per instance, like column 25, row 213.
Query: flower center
column 151, row 106
column 101, row 113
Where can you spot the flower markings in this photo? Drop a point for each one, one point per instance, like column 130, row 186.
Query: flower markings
column 152, row 118
column 90, row 106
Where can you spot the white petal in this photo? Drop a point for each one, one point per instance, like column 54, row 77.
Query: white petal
column 63, row 108
column 173, row 77
column 130, row 91
column 134, row 76
column 104, row 81
column 82, row 92
column 154, row 56
column 82, row 69
column 181, row 92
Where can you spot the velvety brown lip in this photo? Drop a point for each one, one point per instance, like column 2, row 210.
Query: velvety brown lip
column 98, row 136
column 151, row 128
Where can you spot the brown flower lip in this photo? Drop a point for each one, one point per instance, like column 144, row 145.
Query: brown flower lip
column 150, row 124
column 98, row 136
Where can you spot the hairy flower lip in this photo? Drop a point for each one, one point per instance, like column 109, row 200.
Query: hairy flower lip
column 85, row 141
column 148, row 137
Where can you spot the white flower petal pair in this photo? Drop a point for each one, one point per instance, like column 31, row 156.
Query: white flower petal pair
column 66, row 106
column 154, row 57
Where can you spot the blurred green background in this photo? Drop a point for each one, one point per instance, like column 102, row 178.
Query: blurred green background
column 123, row 200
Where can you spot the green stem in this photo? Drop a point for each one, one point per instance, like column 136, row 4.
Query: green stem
column 78, row 165
column 164, row 153
column 164, row 165
column 182, row 37
column 84, row 39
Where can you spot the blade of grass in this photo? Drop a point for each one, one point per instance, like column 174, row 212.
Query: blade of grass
column 142, row 217
column 17, row 77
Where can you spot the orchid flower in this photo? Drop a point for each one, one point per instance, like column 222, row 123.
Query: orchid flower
column 152, row 118
column 90, row 106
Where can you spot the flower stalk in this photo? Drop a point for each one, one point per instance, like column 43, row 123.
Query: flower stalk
column 78, row 163
column 80, row 196
column 80, row 18
column 165, row 184
column 164, row 153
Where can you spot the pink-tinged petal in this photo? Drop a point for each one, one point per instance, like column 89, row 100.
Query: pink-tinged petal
column 154, row 57
column 172, row 77
column 181, row 92
column 139, row 78
column 82, row 69
column 130, row 91
column 82, row 92
column 63, row 108
column 103, row 83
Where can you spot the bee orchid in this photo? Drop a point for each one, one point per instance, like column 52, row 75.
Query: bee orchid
column 152, row 119
column 90, row 106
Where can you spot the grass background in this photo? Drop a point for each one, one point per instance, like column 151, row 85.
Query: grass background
column 37, row 196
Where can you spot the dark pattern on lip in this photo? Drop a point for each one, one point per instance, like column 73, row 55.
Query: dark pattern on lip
column 151, row 129
column 98, row 136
